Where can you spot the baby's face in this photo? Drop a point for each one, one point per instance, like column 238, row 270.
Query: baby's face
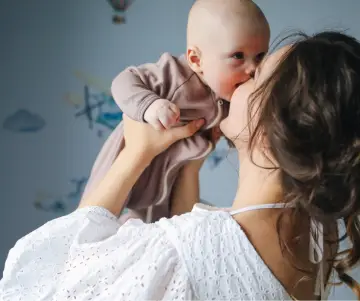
column 231, row 60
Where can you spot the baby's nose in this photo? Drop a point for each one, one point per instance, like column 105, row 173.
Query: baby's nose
column 250, row 68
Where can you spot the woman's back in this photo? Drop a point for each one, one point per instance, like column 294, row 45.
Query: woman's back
column 295, row 272
column 221, row 262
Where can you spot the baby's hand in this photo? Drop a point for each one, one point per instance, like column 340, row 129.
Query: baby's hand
column 162, row 114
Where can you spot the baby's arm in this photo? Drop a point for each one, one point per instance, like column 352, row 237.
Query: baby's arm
column 144, row 93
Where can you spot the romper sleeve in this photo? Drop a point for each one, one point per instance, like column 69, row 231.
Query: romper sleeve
column 137, row 87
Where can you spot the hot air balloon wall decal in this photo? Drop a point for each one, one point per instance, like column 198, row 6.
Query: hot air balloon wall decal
column 119, row 7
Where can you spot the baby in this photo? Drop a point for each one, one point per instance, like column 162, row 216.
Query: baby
column 226, row 40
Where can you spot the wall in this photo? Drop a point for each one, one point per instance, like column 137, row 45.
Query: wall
column 44, row 42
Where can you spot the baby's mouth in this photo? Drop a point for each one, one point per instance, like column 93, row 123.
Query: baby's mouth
column 237, row 85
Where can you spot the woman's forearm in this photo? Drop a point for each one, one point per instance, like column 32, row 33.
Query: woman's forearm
column 186, row 192
column 113, row 190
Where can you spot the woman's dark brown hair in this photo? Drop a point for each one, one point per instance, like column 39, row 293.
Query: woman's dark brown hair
column 309, row 115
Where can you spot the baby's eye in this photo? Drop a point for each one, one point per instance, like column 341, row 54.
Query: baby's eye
column 259, row 57
column 238, row 55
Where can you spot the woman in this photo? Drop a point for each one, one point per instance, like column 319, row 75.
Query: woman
column 299, row 175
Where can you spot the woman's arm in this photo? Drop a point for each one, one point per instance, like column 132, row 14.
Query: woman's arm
column 186, row 191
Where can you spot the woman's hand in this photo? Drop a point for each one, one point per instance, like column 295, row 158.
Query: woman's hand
column 143, row 140
column 142, row 144
column 214, row 134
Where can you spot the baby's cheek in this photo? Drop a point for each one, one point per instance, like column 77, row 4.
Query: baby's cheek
column 214, row 84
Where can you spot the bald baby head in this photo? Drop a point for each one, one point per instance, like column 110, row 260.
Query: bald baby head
column 225, row 41
column 208, row 17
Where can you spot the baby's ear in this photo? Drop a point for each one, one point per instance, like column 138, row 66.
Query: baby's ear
column 193, row 57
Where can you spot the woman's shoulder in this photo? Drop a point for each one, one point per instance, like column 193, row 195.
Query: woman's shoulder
column 202, row 216
column 201, row 232
column 60, row 254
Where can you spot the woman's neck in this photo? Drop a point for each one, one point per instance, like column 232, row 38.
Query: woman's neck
column 256, row 185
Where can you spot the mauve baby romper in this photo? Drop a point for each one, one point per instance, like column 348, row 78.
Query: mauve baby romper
column 134, row 90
